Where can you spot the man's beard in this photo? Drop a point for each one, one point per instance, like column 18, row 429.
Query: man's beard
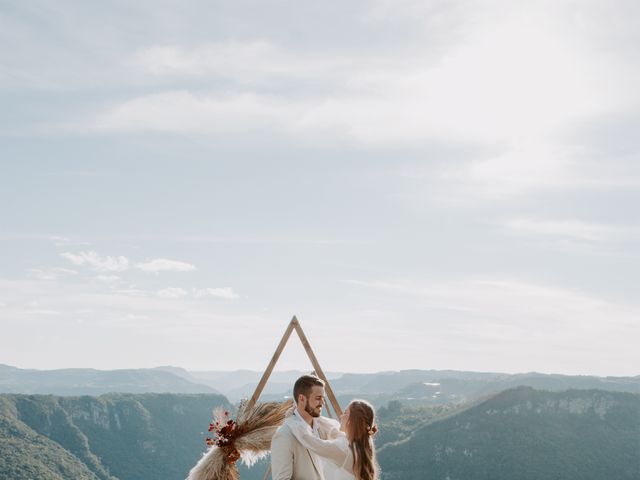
column 314, row 412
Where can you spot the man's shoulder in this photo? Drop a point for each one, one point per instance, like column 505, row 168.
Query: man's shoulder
column 284, row 430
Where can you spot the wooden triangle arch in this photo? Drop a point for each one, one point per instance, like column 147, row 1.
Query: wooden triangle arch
column 295, row 325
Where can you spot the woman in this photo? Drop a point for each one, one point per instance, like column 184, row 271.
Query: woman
column 349, row 447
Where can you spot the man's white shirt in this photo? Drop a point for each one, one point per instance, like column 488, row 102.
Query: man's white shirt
column 290, row 460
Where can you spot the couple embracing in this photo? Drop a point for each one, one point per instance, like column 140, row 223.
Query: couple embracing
column 309, row 446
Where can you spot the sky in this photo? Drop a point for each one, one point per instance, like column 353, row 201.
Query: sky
column 426, row 184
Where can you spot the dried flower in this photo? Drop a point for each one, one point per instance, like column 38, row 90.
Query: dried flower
column 247, row 437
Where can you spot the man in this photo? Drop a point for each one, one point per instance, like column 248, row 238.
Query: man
column 289, row 459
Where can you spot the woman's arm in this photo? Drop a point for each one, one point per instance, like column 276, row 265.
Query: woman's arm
column 334, row 450
column 328, row 427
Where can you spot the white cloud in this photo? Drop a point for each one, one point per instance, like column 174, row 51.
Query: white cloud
column 107, row 314
column 42, row 311
column 135, row 318
column 245, row 62
column 520, row 169
column 571, row 228
column 532, row 166
column 225, row 292
column 497, row 82
column 65, row 271
column 513, row 303
column 108, row 278
column 96, row 262
column 546, row 327
column 171, row 292
column 204, row 113
column 51, row 274
column 499, row 77
column 164, row 265
column 60, row 241
column 56, row 238
column 133, row 291
column 42, row 275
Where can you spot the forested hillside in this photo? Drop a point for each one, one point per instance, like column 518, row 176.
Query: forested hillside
column 526, row 434
column 517, row 434
column 118, row 436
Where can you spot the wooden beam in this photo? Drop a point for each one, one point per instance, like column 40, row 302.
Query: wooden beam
column 294, row 325
column 327, row 408
column 267, row 473
column 272, row 363
column 316, row 366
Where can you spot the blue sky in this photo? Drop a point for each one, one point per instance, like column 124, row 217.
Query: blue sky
column 425, row 184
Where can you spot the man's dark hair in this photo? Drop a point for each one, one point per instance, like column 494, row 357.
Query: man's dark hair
column 304, row 385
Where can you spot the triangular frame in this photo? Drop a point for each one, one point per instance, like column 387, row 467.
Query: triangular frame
column 294, row 325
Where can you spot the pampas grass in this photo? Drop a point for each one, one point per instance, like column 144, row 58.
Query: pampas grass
column 252, row 439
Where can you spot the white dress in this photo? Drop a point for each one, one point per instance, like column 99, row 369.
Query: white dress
column 335, row 448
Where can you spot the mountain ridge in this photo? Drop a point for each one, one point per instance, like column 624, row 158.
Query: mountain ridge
column 520, row 433
column 581, row 434
column 412, row 386
column 110, row 437
column 88, row 381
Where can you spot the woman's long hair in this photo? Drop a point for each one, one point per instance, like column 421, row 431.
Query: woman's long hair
column 361, row 428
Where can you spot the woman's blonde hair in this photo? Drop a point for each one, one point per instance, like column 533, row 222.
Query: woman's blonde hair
column 361, row 428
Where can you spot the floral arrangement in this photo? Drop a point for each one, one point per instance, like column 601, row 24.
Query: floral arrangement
column 248, row 437
column 224, row 432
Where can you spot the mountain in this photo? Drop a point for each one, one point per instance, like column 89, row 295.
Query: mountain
column 525, row 434
column 85, row 381
column 517, row 434
column 411, row 387
column 111, row 437
column 479, row 382
column 418, row 387
column 28, row 454
column 240, row 384
column 439, row 387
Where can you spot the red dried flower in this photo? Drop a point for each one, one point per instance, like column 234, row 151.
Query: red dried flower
column 224, row 431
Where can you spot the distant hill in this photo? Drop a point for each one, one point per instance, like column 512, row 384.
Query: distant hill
column 418, row 387
column 411, row 387
column 240, row 384
column 116, row 436
column 525, row 434
column 438, row 387
column 26, row 454
column 521, row 434
column 85, row 381
column 385, row 382
column 423, row 387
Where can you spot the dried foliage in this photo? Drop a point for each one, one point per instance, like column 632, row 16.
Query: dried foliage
column 248, row 438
